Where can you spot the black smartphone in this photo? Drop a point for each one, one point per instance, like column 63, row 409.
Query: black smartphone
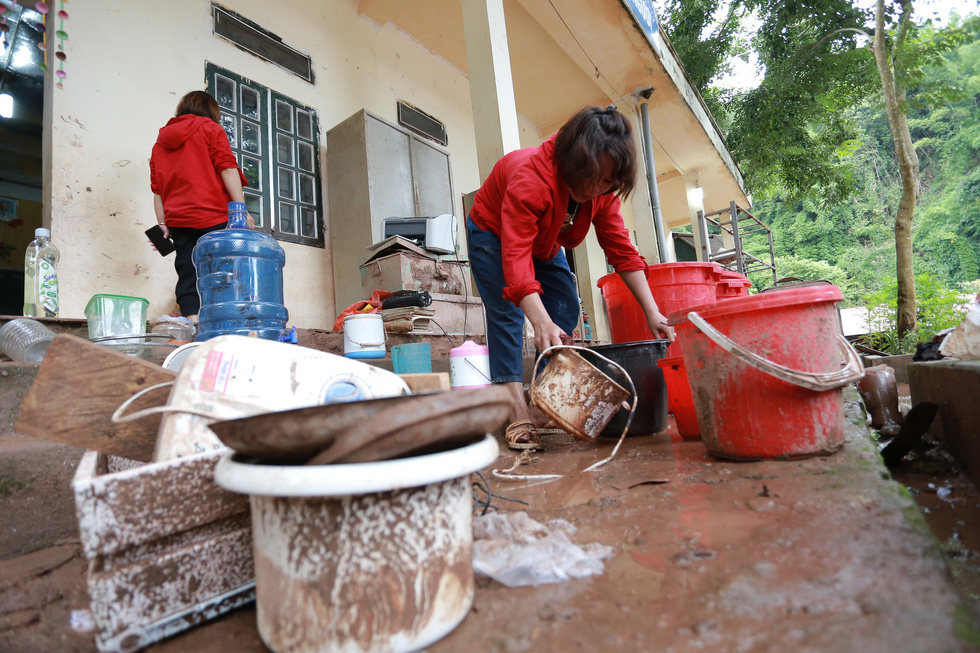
column 163, row 245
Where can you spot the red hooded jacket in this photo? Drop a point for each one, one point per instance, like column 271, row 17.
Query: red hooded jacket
column 524, row 202
column 185, row 171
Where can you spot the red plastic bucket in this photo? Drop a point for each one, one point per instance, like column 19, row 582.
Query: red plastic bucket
column 679, row 397
column 675, row 287
column 766, row 373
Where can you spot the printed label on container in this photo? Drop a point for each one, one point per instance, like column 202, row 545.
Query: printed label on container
column 48, row 290
column 217, row 370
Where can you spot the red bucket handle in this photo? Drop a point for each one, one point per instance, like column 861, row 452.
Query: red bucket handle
column 816, row 381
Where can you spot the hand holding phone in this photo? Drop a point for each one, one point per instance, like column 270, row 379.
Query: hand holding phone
column 162, row 245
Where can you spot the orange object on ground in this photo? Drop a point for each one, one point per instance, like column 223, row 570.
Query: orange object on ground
column 679, row 397
column 363, row 307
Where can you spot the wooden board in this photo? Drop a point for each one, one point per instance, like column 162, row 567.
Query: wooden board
column 427, row 382
column 78, row 387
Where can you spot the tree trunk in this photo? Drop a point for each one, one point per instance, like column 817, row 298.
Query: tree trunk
column 908, row 165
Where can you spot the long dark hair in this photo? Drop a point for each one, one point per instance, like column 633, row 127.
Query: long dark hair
column 199, row 103
column 586, row 137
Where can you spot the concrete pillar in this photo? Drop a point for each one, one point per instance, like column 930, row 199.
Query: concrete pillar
column 491, row 82
column 695, row 203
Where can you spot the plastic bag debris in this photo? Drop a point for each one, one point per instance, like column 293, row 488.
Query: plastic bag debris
column 518, row 551
column 964, row 341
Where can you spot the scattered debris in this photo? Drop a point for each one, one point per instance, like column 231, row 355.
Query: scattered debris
column 964, row 341
column 81, row 621
column 518, row 551
column 880, row 394
column 630, row 486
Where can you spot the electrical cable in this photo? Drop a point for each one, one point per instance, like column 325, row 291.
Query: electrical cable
column 609, row 84
column 485, row 487
column 598, row 73
column 448, row 337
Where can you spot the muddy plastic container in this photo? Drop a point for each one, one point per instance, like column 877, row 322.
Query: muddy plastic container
column 766, row 373
column 580, row 391
column 361, row 557
column 639, row 359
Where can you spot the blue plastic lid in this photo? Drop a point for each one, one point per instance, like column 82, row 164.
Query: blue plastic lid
column 343, row 392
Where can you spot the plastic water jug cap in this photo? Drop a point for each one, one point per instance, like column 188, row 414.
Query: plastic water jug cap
column 469, row 348
column 41, row 232
column 342, row 392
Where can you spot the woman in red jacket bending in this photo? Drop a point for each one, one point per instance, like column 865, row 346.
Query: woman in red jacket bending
column 193, row 176
column 535, row 202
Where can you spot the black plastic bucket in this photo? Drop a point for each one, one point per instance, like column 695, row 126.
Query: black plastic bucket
column 639, row 359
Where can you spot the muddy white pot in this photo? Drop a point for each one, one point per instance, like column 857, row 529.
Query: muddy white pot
column 361, row 557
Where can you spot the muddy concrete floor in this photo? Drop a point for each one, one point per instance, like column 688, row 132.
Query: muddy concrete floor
column 821, row 554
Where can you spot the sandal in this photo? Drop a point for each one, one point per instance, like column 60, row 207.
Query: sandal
column 522, row 435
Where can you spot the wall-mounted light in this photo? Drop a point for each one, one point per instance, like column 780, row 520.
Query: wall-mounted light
column 697, row 194
column 6, row 105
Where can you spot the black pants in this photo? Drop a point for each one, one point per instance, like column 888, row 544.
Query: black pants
column 185, row 238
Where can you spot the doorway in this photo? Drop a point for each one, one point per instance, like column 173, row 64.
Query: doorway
column 21, row 120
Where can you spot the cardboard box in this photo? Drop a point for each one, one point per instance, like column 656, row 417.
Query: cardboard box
column 409, row 271
column 458, row 315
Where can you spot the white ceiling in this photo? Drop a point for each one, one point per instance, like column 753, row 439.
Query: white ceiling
column 566, row 54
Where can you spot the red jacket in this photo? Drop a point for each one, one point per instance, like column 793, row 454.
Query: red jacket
column 524, row 203
column 185, row 171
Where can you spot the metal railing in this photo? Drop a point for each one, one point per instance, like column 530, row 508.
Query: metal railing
column 736, row 258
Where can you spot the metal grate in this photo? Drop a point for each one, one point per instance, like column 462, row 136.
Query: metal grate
column 262, row 43
column 422, row 123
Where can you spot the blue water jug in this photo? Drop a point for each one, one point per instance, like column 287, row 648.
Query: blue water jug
column 239, row 278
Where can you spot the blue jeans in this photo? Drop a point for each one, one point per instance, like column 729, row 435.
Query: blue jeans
column 505, row 321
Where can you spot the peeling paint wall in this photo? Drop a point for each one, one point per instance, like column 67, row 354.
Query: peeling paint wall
column 131, row 63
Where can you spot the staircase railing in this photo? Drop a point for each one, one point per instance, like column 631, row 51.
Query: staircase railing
column 736, row 257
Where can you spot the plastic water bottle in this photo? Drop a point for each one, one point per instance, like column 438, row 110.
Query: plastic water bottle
column 239, row 278
column 41, row 276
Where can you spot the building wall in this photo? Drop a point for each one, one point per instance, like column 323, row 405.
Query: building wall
column 128, row 65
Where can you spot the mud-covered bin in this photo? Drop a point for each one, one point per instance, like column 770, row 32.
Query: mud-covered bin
column 639, row 359
column 365, row 556
column 766, row 373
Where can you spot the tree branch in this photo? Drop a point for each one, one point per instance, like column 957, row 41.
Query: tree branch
column 831, row 35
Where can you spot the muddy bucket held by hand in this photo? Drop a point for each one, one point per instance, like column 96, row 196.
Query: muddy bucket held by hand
column 577, row 395
column 766, row 373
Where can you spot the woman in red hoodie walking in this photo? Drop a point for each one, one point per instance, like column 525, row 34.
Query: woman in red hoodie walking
column 535, row 202
column 193, row 176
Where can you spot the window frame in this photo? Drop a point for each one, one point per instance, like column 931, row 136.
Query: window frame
column 271, row 195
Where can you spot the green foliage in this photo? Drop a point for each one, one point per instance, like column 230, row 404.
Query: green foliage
column 788, row 132
column 938, row 308
column 817, row 150
column 855, row 235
